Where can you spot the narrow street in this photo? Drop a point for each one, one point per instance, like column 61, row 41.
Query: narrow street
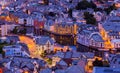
column 31, row 45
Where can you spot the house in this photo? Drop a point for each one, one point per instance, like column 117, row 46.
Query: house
column 62, row 64
column 59, row 54
column 59, row 71
column 44, row 43
column 96, row 40
column 15, row 50
column 3, row 29
column 65, row 28
column 89, row 36
column 12, row 39
column 116, row 43
column 48, row 70
column 20, row 17
column 76, row 55
column 49, row 25
column 20, row 65
column 29, row 31
column 99, row 16
column 74, row 69
column 114, row 60
column 39, row 24
column 55, row 60
column 110, row 31
column 68, row 54
column 105, row 70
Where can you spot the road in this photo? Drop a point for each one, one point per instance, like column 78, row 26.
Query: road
column 31, row 45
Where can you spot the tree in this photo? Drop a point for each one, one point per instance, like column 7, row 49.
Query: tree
column 15, row 30
column 98, row 9
column 109, row 9
column 92, row 5
column 49, row 61
column 89, row 18
column 98, row 63
column 23, row 31
column 43, row 54
column 84, row 4
column 70, row 1
column 70, row 12
column 1, row 47
column 52, row 14
column 106, row 64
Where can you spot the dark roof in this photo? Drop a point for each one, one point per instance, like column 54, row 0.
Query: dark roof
column 13, row 38
column 97, row 37
column 42, row 40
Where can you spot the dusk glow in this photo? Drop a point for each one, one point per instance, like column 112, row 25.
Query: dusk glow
column 59, row 36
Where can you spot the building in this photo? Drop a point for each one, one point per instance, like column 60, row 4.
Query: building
column 15, row 50
column 3, row 30
column 99, row 16
column 106, row 70
column 65, row 28
column 114, row 60
column 110, row 31
column 89, row 36
column 96, row 40
column 44, row 43
column 6, row 27
column 20, row 17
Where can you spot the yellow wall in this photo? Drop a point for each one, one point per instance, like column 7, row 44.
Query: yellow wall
column 66, row 30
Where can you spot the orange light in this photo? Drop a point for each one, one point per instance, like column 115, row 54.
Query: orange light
column 29, row 42
column 99, row 58
column 26, row 72
column 107, row 43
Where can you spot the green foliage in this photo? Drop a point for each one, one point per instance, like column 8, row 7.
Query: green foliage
column 43, row 54
column 49, row 61
column 16, row 30
column 89, row 18
column 1, row 47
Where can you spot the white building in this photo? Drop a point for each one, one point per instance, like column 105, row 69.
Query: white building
column 99, row 16
column 89, row 36
column 14, row 50
column 111, row 28
column 3, row 30
column 44, row 43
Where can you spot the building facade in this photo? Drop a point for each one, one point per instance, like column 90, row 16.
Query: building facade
column 14, row 50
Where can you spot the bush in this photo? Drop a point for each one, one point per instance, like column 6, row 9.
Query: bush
column 84, row 4
column 89, row 18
